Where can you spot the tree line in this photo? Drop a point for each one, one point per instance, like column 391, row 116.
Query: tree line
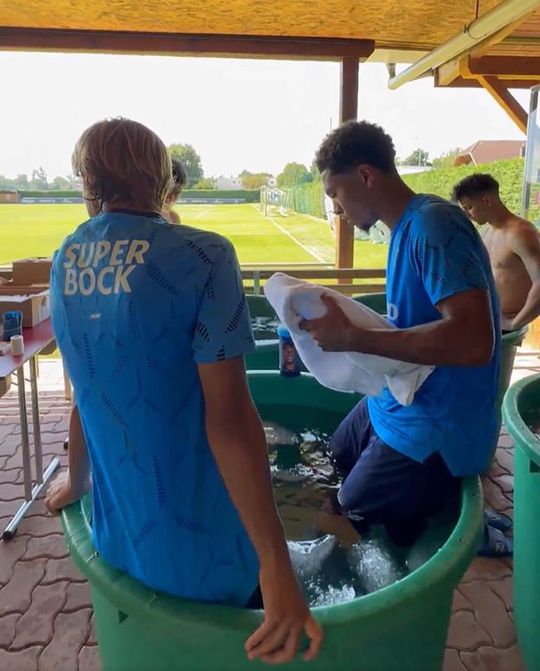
column 293, row 173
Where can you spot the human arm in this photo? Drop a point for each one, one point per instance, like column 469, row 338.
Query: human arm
column 525, row 243
column 69, row 486
column 447, row 258
column 462, row 337
column 222, row 336
column 238, row 443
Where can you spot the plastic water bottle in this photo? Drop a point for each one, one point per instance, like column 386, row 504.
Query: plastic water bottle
column 289, row 360
column 12, row 323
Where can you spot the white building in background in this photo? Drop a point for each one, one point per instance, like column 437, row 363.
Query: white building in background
column 229, row 184
column 411, row 169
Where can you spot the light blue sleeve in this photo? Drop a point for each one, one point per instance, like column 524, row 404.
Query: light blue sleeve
column 223, row 326
column 449, row 254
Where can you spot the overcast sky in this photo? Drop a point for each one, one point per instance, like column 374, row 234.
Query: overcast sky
column 238, row 114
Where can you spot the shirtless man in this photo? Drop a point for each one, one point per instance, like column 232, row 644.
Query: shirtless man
column 513, row 245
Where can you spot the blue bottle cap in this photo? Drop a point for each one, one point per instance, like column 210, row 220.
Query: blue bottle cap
column 283, row 331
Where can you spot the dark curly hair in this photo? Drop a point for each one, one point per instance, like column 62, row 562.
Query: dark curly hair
column 354, row 143
column 475, row 185
column 179, row 176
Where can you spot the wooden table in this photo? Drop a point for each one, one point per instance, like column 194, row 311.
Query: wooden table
column 35, row 340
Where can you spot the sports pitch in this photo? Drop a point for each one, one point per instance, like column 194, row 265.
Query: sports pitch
column 37, row 230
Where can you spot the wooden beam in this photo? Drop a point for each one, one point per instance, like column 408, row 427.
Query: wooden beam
column 317, row 273
column 89, row 41
column 527, row 41
column 462, row 83
column 447, row 73
column 497, row 89
column 506, row 100
column 515, row 71
column 348, row 109
column 514, row 67
column 497, row 38
column 344, row 245
column 348, row 102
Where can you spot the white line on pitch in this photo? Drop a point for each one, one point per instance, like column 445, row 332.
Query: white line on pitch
column 291, row 236
column 201, row 214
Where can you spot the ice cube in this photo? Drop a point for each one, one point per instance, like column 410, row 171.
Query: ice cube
column 308, row 556
column 374, row 565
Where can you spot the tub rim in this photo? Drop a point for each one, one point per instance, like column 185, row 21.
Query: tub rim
column 515, row 337
column 517, row 428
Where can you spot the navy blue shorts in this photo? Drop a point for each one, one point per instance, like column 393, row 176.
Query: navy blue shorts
column 383, row 486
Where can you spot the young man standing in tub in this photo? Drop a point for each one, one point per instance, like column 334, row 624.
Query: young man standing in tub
column 152, row 323
column 400, row 462
column 513, row 245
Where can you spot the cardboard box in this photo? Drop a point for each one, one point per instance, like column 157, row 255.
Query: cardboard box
column 5, row 384
column 32, row 271
column 11, row 289
column 33, row 302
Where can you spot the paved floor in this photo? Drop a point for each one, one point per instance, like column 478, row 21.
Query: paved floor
column 45, row 608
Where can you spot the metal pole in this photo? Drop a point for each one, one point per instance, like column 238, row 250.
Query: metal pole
column 38, row 449
column 25, row 440
column 11, row 528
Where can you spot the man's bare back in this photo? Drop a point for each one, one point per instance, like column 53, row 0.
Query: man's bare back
column 511, row 275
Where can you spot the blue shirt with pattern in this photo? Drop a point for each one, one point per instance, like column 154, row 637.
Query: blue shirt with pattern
column 137, row 304
column 435, row 252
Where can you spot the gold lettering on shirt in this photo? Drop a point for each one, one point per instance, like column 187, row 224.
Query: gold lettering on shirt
column 85, row 273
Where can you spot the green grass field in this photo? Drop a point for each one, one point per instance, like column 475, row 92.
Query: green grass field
column 37, row 230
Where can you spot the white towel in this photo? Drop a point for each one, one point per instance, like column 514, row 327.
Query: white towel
column 294, row 300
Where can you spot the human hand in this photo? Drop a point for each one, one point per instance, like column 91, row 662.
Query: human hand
column 62, row 493
column 334, row 332
column 286, row 620
column 507, row 324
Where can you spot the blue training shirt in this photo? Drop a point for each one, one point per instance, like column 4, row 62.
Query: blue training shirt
column 435, row 252
column 137, row 303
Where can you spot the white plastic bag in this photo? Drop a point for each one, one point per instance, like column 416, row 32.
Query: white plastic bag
column 294, row 300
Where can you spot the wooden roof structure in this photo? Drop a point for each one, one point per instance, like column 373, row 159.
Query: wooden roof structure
column 502, row 48
column 487, row 151
column 390, row 30
column 397, row 23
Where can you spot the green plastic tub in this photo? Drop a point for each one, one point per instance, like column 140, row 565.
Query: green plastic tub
column 521, row 407
column 510, row 343
column 376, row 302
column 260, row 307
column 266, row 354
column 402, row 627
